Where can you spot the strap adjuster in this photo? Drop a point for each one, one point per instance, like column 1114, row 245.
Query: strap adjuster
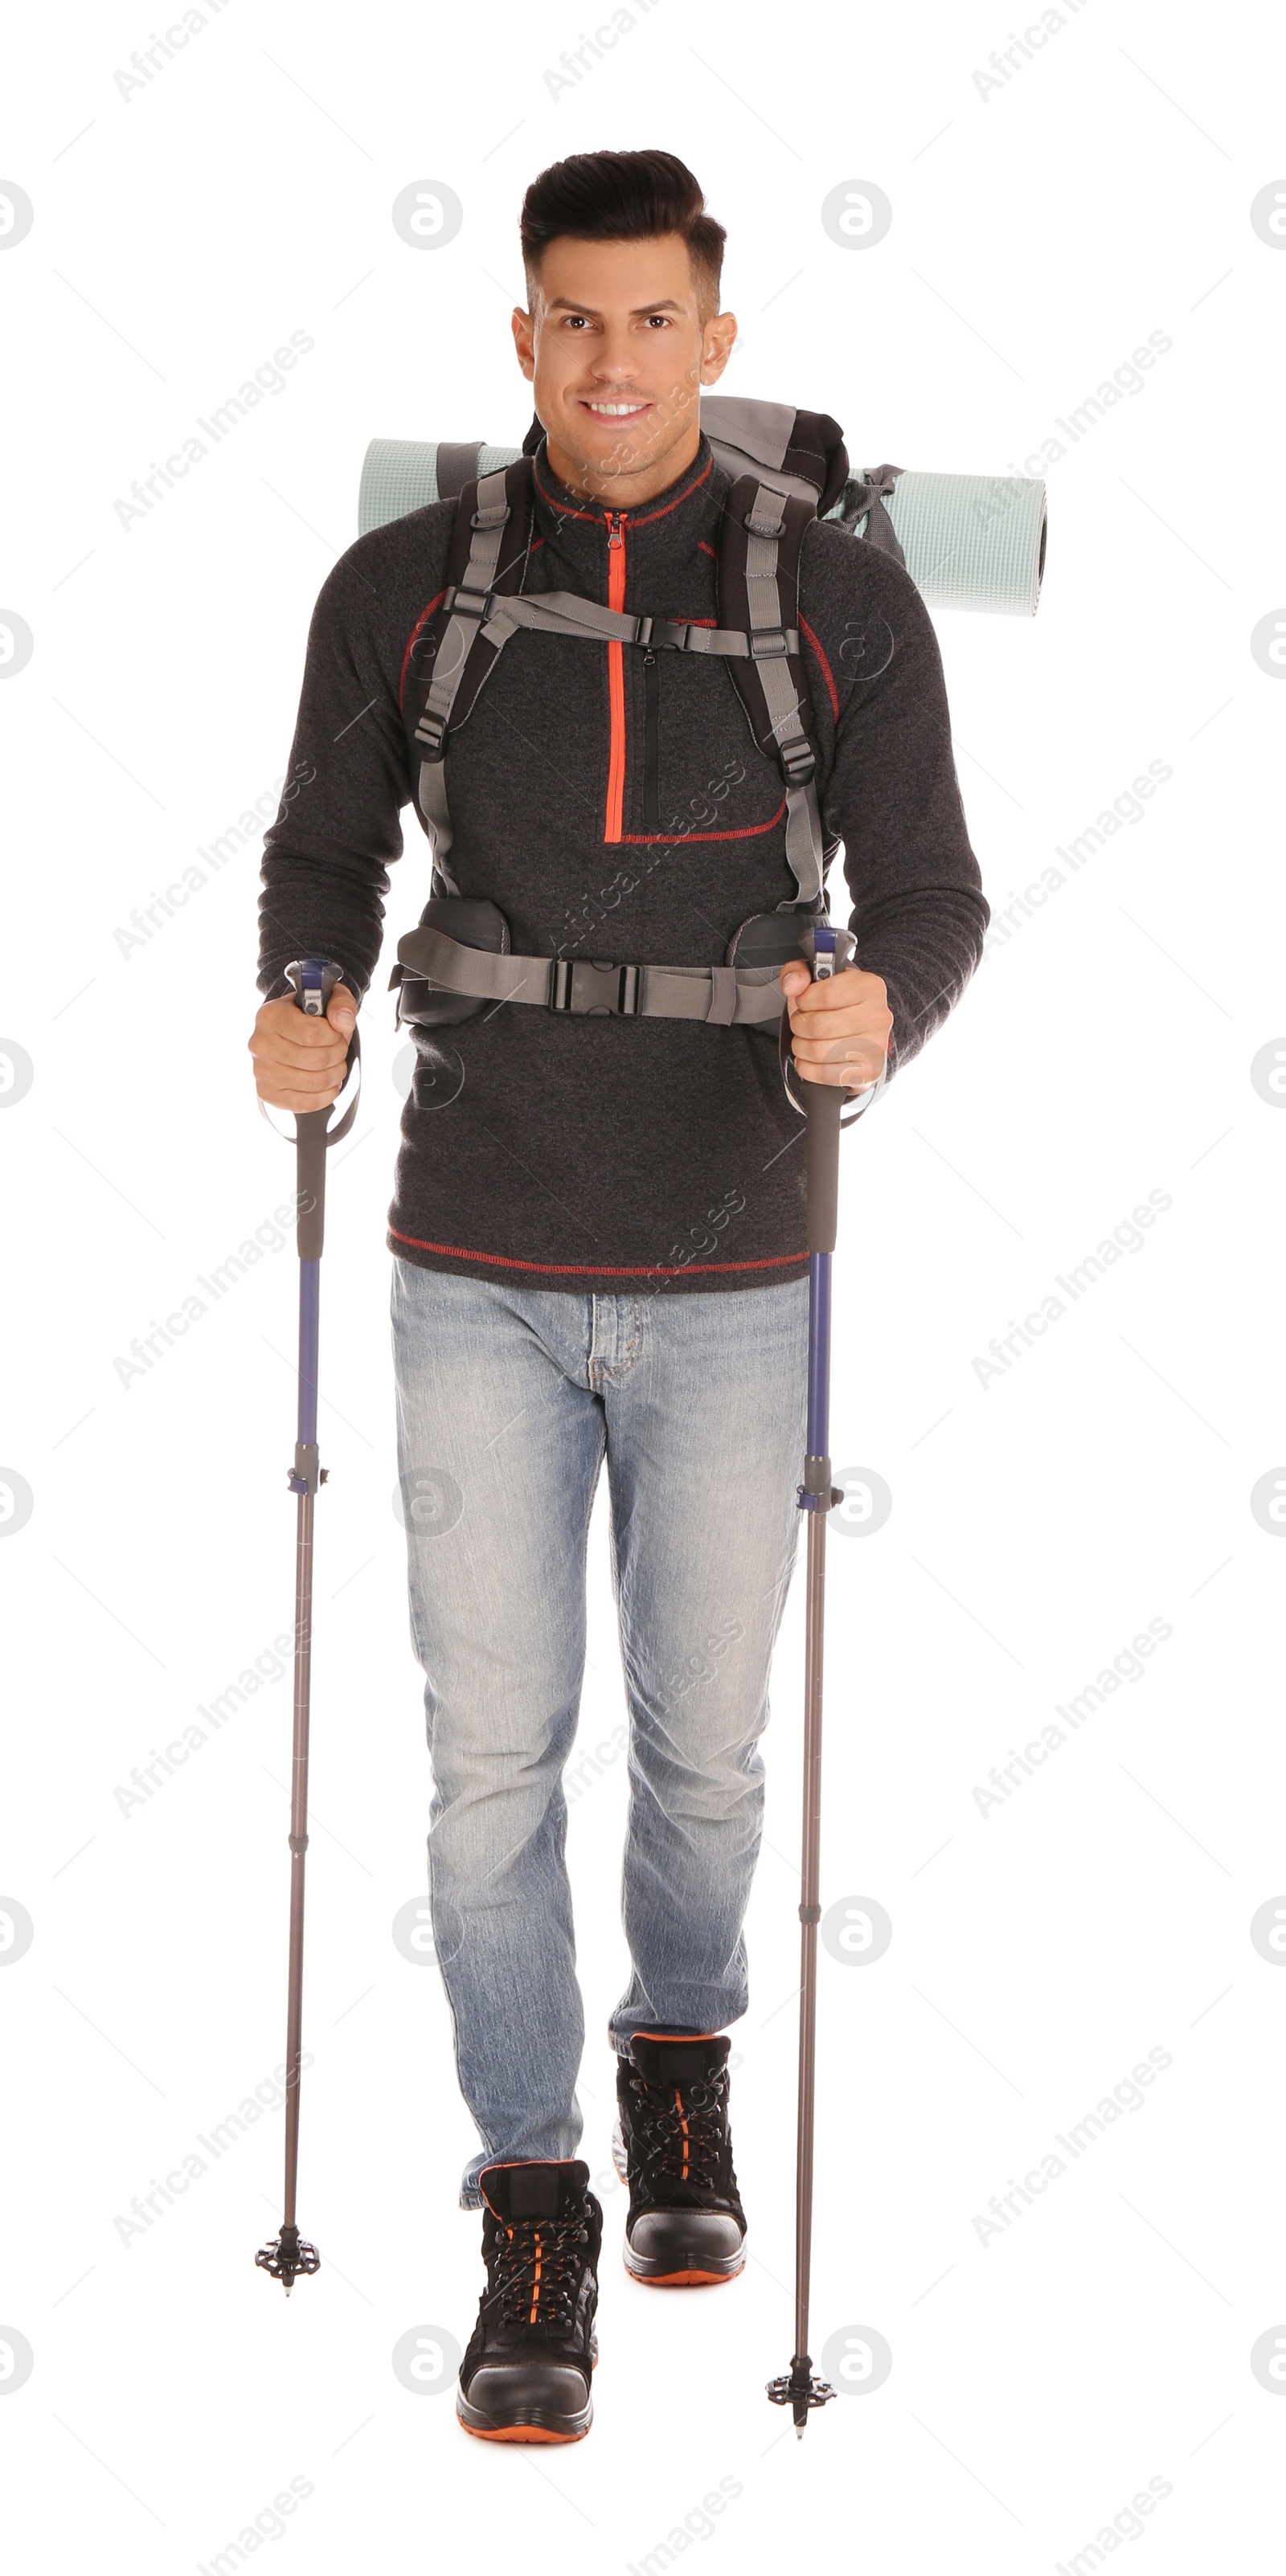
column 768, row 643
column 461, row 602
column 588, row 984
column 798, row 761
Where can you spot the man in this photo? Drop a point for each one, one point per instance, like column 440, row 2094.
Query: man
column 598, row 1230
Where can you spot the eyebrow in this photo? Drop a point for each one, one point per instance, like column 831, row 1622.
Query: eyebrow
column 658, row 304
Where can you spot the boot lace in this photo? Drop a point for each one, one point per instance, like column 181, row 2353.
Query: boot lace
column 680, row 2131
column 539, row 2264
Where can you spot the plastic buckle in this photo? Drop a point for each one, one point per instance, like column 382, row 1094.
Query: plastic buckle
column 769, row 644
column 587, row 984
column 798, row 760
column 430, row 733
column 469, row 603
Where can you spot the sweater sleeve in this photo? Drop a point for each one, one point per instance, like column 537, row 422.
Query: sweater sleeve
column 893, row 797
column 326, row 857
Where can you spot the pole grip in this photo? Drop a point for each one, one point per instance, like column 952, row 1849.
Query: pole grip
column 824, row 1102
column 314, row 980
column 310, row 1182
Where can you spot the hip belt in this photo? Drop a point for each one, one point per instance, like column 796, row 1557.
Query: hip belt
column 447, row 974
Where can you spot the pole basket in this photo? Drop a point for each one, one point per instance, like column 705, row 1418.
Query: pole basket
column 800, row 2390
column 288, row 2255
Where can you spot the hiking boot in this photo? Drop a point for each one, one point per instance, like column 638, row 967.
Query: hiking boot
column 526, row 2374
column 674, row 2148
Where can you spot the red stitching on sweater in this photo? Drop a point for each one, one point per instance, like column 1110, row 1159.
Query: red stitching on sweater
column 416, row 631
column 643, row 521
column 673, row 505
column 594, row 1269
column 744, row 832
column 806, row 629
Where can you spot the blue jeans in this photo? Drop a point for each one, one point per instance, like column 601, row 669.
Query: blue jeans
column 508, row 1400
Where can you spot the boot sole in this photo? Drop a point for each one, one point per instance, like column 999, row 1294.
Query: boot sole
column 682, row 2280
column 519, row 2432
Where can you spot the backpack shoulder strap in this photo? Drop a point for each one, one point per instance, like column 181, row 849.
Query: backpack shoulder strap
column 760, row 536
column 489, row 543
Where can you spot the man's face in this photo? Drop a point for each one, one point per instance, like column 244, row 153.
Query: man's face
column 616, row 352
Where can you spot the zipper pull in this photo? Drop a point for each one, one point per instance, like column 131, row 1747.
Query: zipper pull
column 616, row 534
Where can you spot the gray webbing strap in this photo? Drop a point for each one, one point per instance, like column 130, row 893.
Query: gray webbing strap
column 692, row 993
column 476, row 972
column 561, row 612
column 432, row 795
column 770, row 649
column 468, row 607
column 564, row 612
column 729, row 996
column 728, row 640
column 723, row 998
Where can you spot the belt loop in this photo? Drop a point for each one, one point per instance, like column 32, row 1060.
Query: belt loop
column 723, row 996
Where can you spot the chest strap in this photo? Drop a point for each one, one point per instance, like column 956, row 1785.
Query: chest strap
column 565, row 612
column 483, row 607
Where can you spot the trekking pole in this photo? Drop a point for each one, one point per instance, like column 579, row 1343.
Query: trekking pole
column 314, row 980
column 798, row 2388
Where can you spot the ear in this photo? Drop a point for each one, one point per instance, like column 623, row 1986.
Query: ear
column 523, row 326
column 716, row 347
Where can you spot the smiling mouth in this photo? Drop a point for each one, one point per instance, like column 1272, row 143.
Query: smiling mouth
column 627, row 410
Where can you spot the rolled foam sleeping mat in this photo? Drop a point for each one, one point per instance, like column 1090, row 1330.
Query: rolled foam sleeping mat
column 401, row 474
column 972, row 541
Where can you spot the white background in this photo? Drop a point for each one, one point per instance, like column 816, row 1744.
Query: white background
column 1039, row 1951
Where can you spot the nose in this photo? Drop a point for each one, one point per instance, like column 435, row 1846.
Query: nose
column 614, row 360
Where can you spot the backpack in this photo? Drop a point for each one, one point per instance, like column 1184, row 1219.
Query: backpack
column 459, row 960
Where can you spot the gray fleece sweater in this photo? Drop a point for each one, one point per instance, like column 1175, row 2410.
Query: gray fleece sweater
column 636, row 821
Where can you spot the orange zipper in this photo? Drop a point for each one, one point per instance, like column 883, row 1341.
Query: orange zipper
column 615, row 681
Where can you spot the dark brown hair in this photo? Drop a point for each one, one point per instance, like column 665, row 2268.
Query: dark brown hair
column 623, row 196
